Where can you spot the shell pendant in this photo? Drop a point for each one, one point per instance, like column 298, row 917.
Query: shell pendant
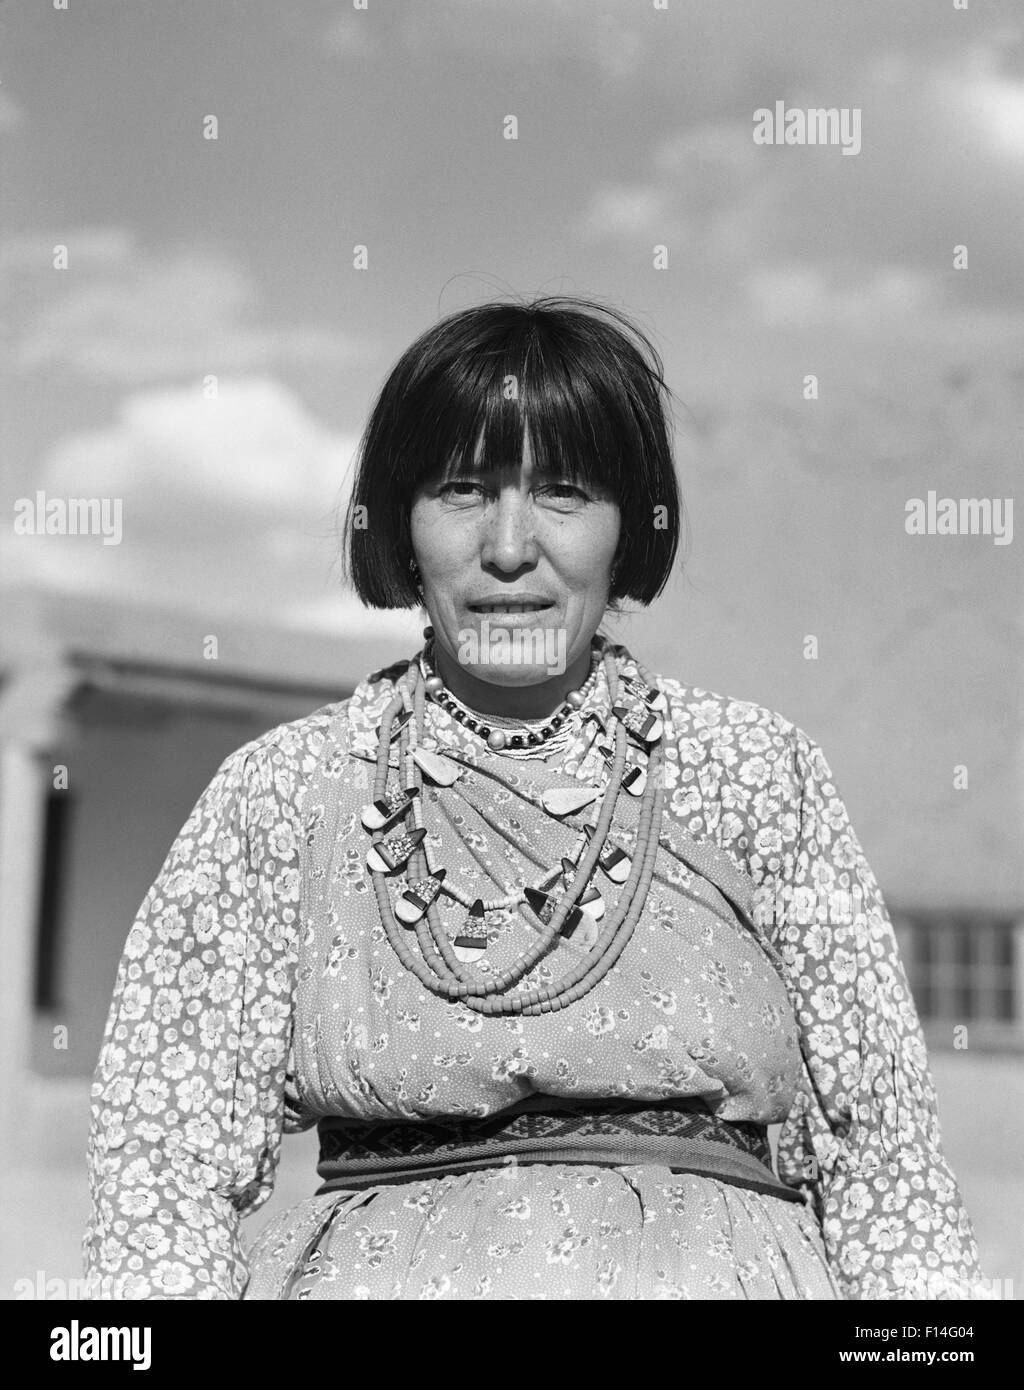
column 640, row 721
column 471, row 942
column 565, row 801
column 544, row 906
column 442, row 771
column 635, row 780
column 615, row 862
column 392, row 853
column 653, row 699
column 584, row 932
column 413, row 903
column 388, row 808
column 591, row 900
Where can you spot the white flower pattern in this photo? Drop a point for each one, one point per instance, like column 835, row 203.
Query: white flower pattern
column 193, row 1087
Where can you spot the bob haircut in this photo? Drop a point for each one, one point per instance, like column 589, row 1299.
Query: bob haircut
column 585, row 383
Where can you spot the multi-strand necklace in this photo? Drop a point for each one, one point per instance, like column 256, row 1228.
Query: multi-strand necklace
column 441, row 963
column 515, row 739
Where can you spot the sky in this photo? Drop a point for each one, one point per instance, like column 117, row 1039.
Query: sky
column 384, row 127
column 190, row 258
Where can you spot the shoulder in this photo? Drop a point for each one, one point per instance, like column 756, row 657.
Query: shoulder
column 286, row 756
column 706, row 718
column 736, row 772
column 296, row 744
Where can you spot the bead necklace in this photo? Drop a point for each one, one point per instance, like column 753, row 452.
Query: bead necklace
column 500, row 740
column 438, row 966
column 547, row 744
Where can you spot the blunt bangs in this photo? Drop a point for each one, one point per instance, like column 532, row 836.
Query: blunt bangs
column 576, row 378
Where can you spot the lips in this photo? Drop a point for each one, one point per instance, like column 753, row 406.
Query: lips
column 497, row 604
column 506, row 608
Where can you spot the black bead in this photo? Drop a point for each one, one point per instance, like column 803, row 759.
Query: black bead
column 557, row 722
column 516, row 741
column 535, row 738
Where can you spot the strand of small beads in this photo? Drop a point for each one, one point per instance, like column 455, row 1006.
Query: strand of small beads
column 609, row 947
column 437, row 967
column 418, row 859
column 643, row 872
column 452, row 978
column 530, row 734
column 541, row 739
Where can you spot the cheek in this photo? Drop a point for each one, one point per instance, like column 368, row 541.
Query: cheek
column 595, row 546
column 434, row 542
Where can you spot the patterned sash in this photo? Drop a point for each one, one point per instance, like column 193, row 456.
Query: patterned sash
column 679, row 1134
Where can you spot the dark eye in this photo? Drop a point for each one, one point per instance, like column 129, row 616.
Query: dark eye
column 564, row 492
column 458, row 487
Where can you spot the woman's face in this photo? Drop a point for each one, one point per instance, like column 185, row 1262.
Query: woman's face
column 512, row 537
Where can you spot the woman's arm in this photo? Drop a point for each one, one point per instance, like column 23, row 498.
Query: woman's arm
column 188, row 1095
column 865, row 1129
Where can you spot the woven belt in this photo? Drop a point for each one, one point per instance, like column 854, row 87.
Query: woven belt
column 681, row 1135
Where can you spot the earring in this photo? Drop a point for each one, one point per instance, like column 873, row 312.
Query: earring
column 417, row 579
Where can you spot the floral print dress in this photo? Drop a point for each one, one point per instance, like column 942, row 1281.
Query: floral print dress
column 258, row 994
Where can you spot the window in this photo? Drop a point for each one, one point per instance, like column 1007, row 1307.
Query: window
column 966, row 971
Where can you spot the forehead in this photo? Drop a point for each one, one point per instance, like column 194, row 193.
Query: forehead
column 506, row 463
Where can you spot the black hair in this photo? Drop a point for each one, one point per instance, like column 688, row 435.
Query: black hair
column 586, row 383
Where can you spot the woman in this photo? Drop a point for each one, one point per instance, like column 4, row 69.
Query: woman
column 541, row 941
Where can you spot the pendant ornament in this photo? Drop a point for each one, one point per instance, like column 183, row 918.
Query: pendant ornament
column 565, row 904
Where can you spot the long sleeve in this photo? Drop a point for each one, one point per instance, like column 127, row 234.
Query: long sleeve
column 864, row 1134
column 188, row 1095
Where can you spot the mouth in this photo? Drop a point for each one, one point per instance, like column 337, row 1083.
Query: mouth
column 506, row 608
column 494, row 609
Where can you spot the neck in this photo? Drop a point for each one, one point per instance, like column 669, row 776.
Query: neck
column 535, row 701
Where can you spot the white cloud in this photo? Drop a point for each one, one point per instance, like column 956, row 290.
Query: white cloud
column 132, row 318
column 619, row 48
column 725, row 144
column 255, row 446
column 229, row 506
column 12, row 115
column 700, row 178
column 990, row 101
column 351, row 34
column 807, row 294
column 625, row 211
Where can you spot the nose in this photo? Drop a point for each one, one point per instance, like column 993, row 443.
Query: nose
column 509, row 539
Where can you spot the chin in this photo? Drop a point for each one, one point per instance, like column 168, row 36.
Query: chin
column 512, row 675
column 519, row 655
